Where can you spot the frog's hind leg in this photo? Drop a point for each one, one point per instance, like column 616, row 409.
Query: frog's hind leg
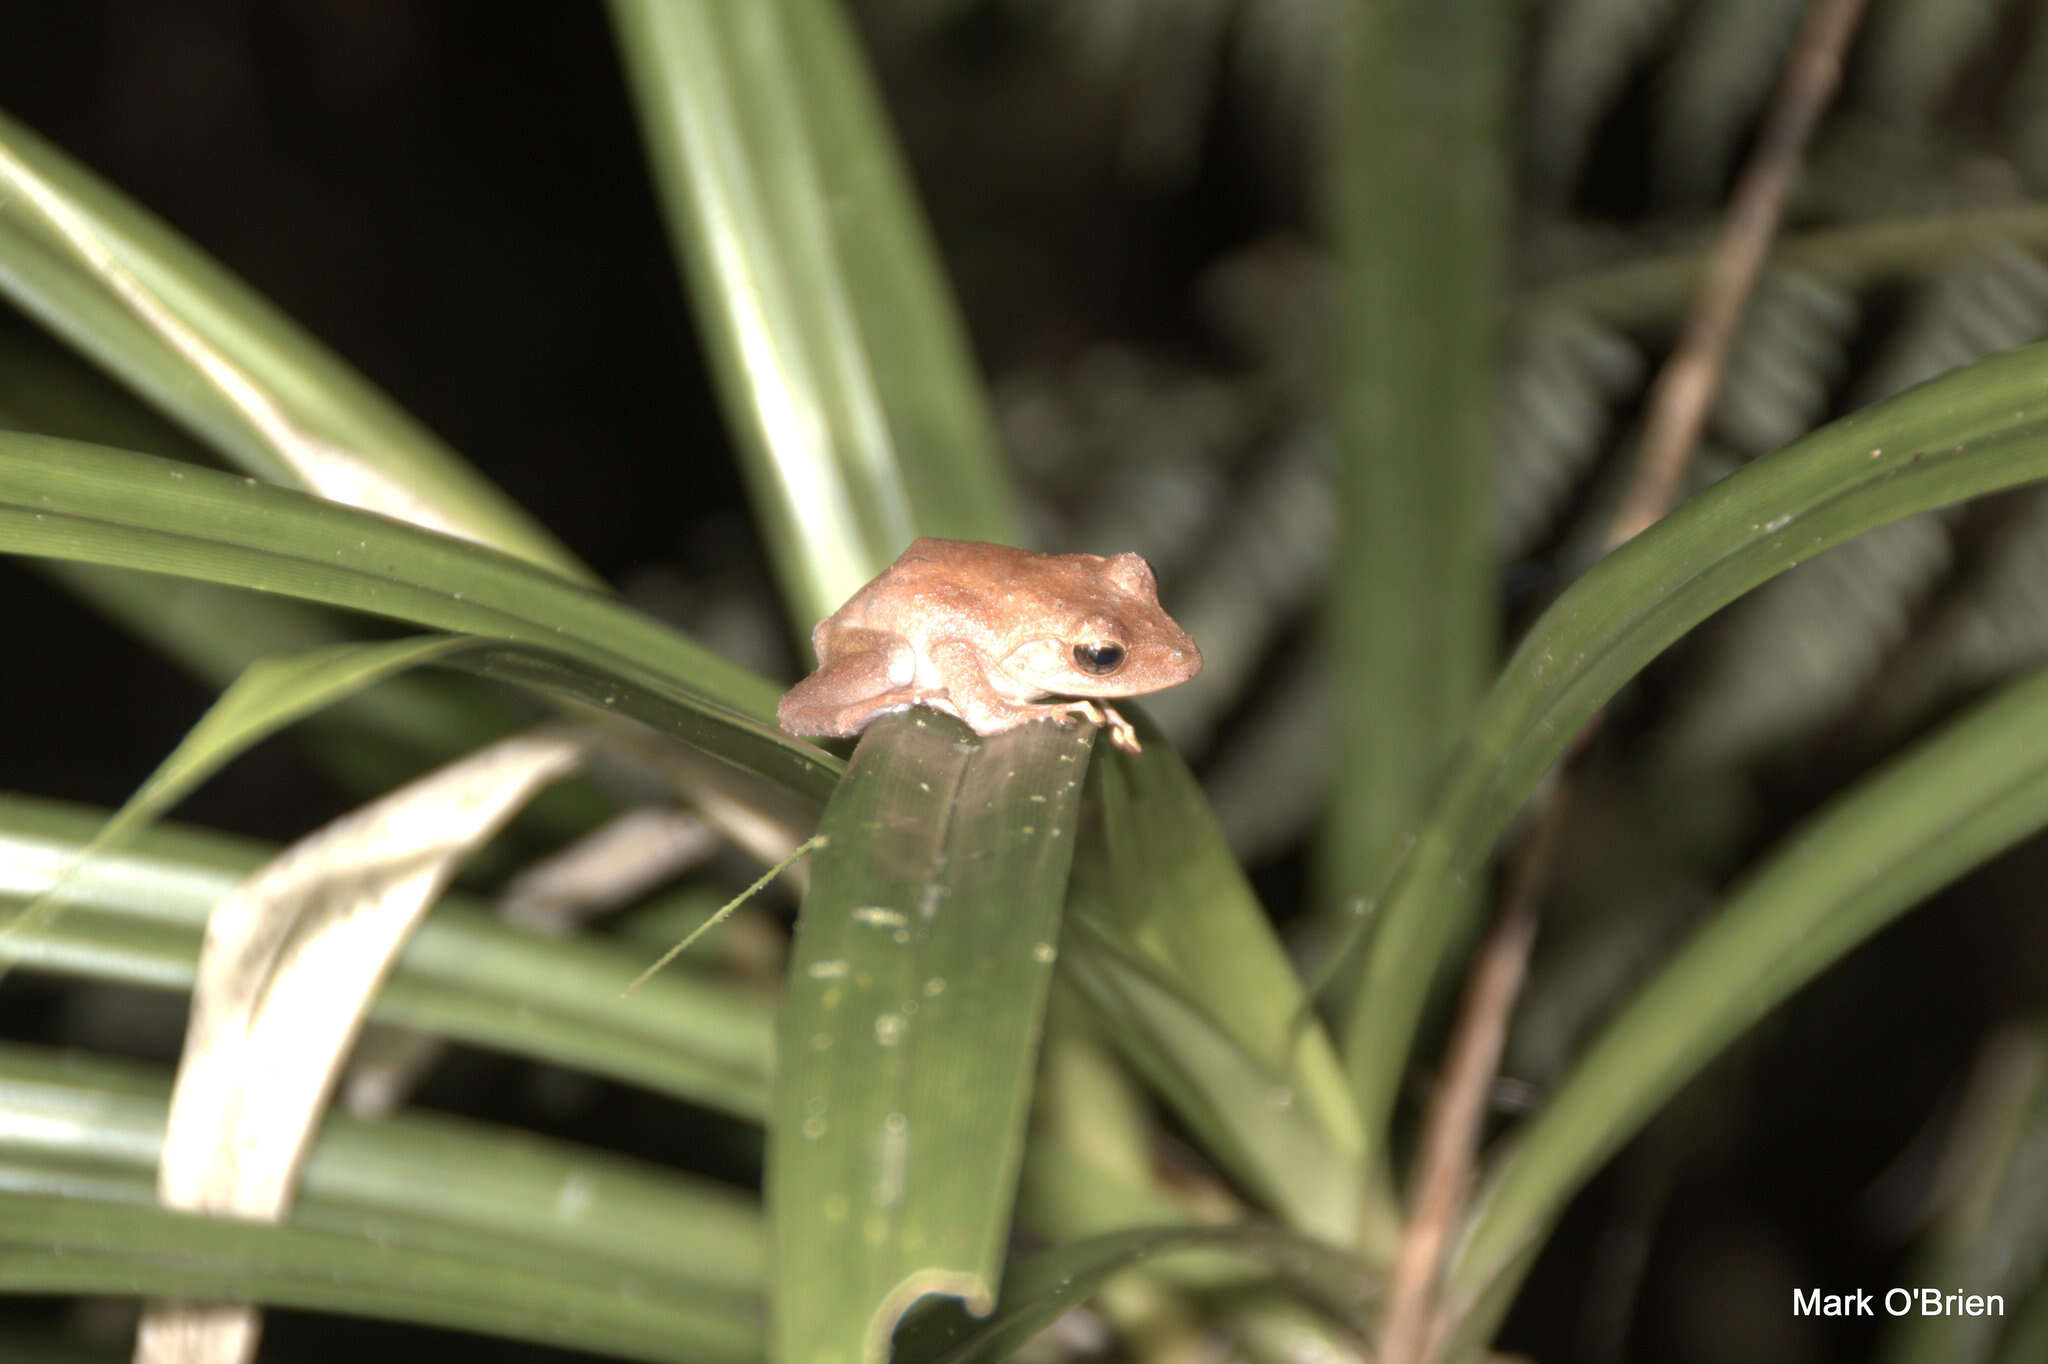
column 870, row 672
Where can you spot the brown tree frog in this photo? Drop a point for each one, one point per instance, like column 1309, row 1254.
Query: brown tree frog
column 986, row 633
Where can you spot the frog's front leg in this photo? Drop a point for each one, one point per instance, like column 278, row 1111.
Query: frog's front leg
column 862, row 674
column 985, row 708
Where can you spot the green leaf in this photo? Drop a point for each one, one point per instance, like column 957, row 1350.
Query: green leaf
column 1050, row 1283
column 136, row 915
column 292, row 962
column 372, row 739
column 270, row 694
column 87, row 262
column 1089, row 1164
column 907, row 1043
column 92, row 1127
column 48, row 388
column 841, row 363
column 85, row 1245
column 1167, row 941
column 1975, row 431
column 1976, row 787
column 78, row 502
column 1418, row 185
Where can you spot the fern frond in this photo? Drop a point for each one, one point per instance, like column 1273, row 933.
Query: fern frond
column 1273, row 558
column 1726, row 61
column 1809, row 645
column 1561, row 378
column 2000, row 626
column 1989, row 303
column 1791, row 348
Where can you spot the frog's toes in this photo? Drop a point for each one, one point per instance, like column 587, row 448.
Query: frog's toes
column 1121, row 731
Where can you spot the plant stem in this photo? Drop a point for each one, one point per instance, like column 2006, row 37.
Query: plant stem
column 1678, row 404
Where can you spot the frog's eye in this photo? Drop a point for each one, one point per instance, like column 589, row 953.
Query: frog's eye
column 1098, row 658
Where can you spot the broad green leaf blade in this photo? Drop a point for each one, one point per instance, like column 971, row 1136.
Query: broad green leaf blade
column 92, row 1127
column 81, row 1245
column 842, row 367
column 1975, row 431
column 135, row 916
column 1168, row 943
column 1976, row 787
column 62, row 500
column 93, row 266
column 910, row 1034
column 1050, row 1283
column 1417, row 195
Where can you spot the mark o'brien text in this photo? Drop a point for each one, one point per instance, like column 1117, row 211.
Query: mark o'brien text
column 1897, row 1302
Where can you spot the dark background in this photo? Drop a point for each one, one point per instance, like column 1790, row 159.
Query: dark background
column 452, row 196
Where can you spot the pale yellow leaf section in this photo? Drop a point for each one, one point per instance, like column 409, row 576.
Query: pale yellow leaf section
column 292, row 958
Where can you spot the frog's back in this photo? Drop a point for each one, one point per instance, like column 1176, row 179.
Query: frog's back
column 931, row 560
column 932, row 582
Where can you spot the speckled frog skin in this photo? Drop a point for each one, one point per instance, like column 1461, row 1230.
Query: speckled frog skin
column 987, row 633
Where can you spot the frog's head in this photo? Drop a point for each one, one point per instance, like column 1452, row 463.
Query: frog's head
column 1104, row 633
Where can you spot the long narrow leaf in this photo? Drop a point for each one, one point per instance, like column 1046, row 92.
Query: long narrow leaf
column 136, row 915
column 82, row 1245
column 1975, row 788
column 908, row 1041
column 97, row 268
column 68, row 501
column 1975, row 431
column 372, row 741
column 843, row 371
column 1050, row 1283
column 94, row 1127
column 1418, row 182
column 1168, row 943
